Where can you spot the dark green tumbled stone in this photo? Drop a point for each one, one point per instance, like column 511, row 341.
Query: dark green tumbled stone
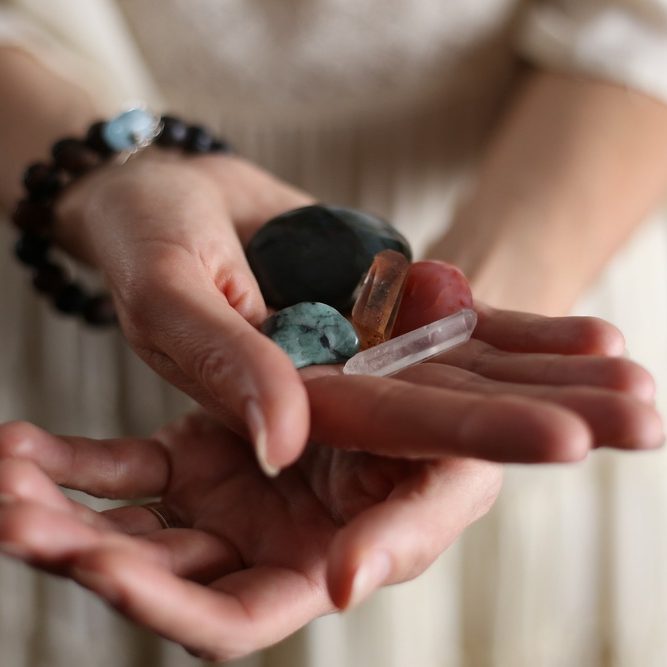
column 312, row 333
column 319, row 253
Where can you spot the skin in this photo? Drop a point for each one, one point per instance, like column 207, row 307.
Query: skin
column 572, row 159
column 167, row 232
column 189, row 312
column 257, row 557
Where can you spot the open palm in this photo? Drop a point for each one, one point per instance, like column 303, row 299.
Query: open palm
column 256, row 558
column 386, row 484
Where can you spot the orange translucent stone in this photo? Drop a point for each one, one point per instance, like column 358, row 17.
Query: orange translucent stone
column 376, row 307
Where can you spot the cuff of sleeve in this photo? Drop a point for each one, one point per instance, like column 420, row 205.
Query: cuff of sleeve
column 609, row 43
column 17, row 31
column 108, row 68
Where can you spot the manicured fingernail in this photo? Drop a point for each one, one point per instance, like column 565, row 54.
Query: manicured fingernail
column 372, row 573
column 97, row 583
column 257, row 427
column 14, row 550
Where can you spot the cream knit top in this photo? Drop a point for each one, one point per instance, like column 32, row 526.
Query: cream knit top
column 382, row 104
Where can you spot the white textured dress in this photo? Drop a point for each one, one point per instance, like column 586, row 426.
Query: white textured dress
column 384, row 105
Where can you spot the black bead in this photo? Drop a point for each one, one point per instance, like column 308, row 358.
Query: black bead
column 99, row 311
column 199, row 140
column 95, row 140
column 33, row 217
column 41, row 181
column 220, row 146
column 49, row 279
column 73, row 156
column 71, row 299
column 174, row 133
column 32, row 250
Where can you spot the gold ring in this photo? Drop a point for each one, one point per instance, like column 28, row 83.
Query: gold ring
column 164, row 515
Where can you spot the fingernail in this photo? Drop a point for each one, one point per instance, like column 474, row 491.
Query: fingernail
column 372, row 573
column 97, row 583
column 13, row 550
column 257, row 427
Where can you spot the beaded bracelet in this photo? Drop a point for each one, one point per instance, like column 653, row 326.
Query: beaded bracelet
column 71, row 158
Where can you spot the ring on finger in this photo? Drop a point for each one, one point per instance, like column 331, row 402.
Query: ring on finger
column 164, row 515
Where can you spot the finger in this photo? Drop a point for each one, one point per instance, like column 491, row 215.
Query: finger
column 525, row 332
column 54, row 529
column 51, row 538
column 396, row 418
column 202, row 329
column 196, row 555
column 22, row 480
column 134, row 520
column 552, row 369
column 615, row 419
column 120, row 468
column 428, row 299
column 262, row 605
column 398, row 539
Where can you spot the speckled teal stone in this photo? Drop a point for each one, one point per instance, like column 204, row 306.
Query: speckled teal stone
column 130, row 130
column 312, row 333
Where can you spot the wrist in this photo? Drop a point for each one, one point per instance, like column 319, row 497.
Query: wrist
column 86, row 213
column 512, row 255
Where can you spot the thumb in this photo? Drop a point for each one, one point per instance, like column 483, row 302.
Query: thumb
column 197, row 333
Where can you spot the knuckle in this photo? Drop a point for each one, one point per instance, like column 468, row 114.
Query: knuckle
column 213, row 369
column 19, row 524
column 16, row 438
column 17, row 478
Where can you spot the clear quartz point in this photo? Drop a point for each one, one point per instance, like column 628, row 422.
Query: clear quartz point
column 414, row 347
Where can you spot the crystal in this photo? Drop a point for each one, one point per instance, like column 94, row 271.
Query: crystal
column 414, row 347
column 318, row 253
column 376, row 307
column 312, row 333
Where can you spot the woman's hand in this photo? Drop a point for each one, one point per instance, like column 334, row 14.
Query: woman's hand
column 167, row 233
column 525, row 388
column 256, row 558
column 252, row 559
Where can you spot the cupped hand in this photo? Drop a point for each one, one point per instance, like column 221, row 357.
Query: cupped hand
column 254, row 557
column 168, row 232
column 525, row 388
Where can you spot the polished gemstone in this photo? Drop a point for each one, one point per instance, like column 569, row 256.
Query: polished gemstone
column 433, row 290
column 312, row 333
column 319, row 253
column 415, row 346
column 130, row 130
column 379, row 299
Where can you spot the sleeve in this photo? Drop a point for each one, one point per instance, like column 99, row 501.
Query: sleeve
column 17, row 30
column 621, row 41
column 84, row 41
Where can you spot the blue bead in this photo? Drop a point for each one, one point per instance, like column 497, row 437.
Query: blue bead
column 130, row 130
